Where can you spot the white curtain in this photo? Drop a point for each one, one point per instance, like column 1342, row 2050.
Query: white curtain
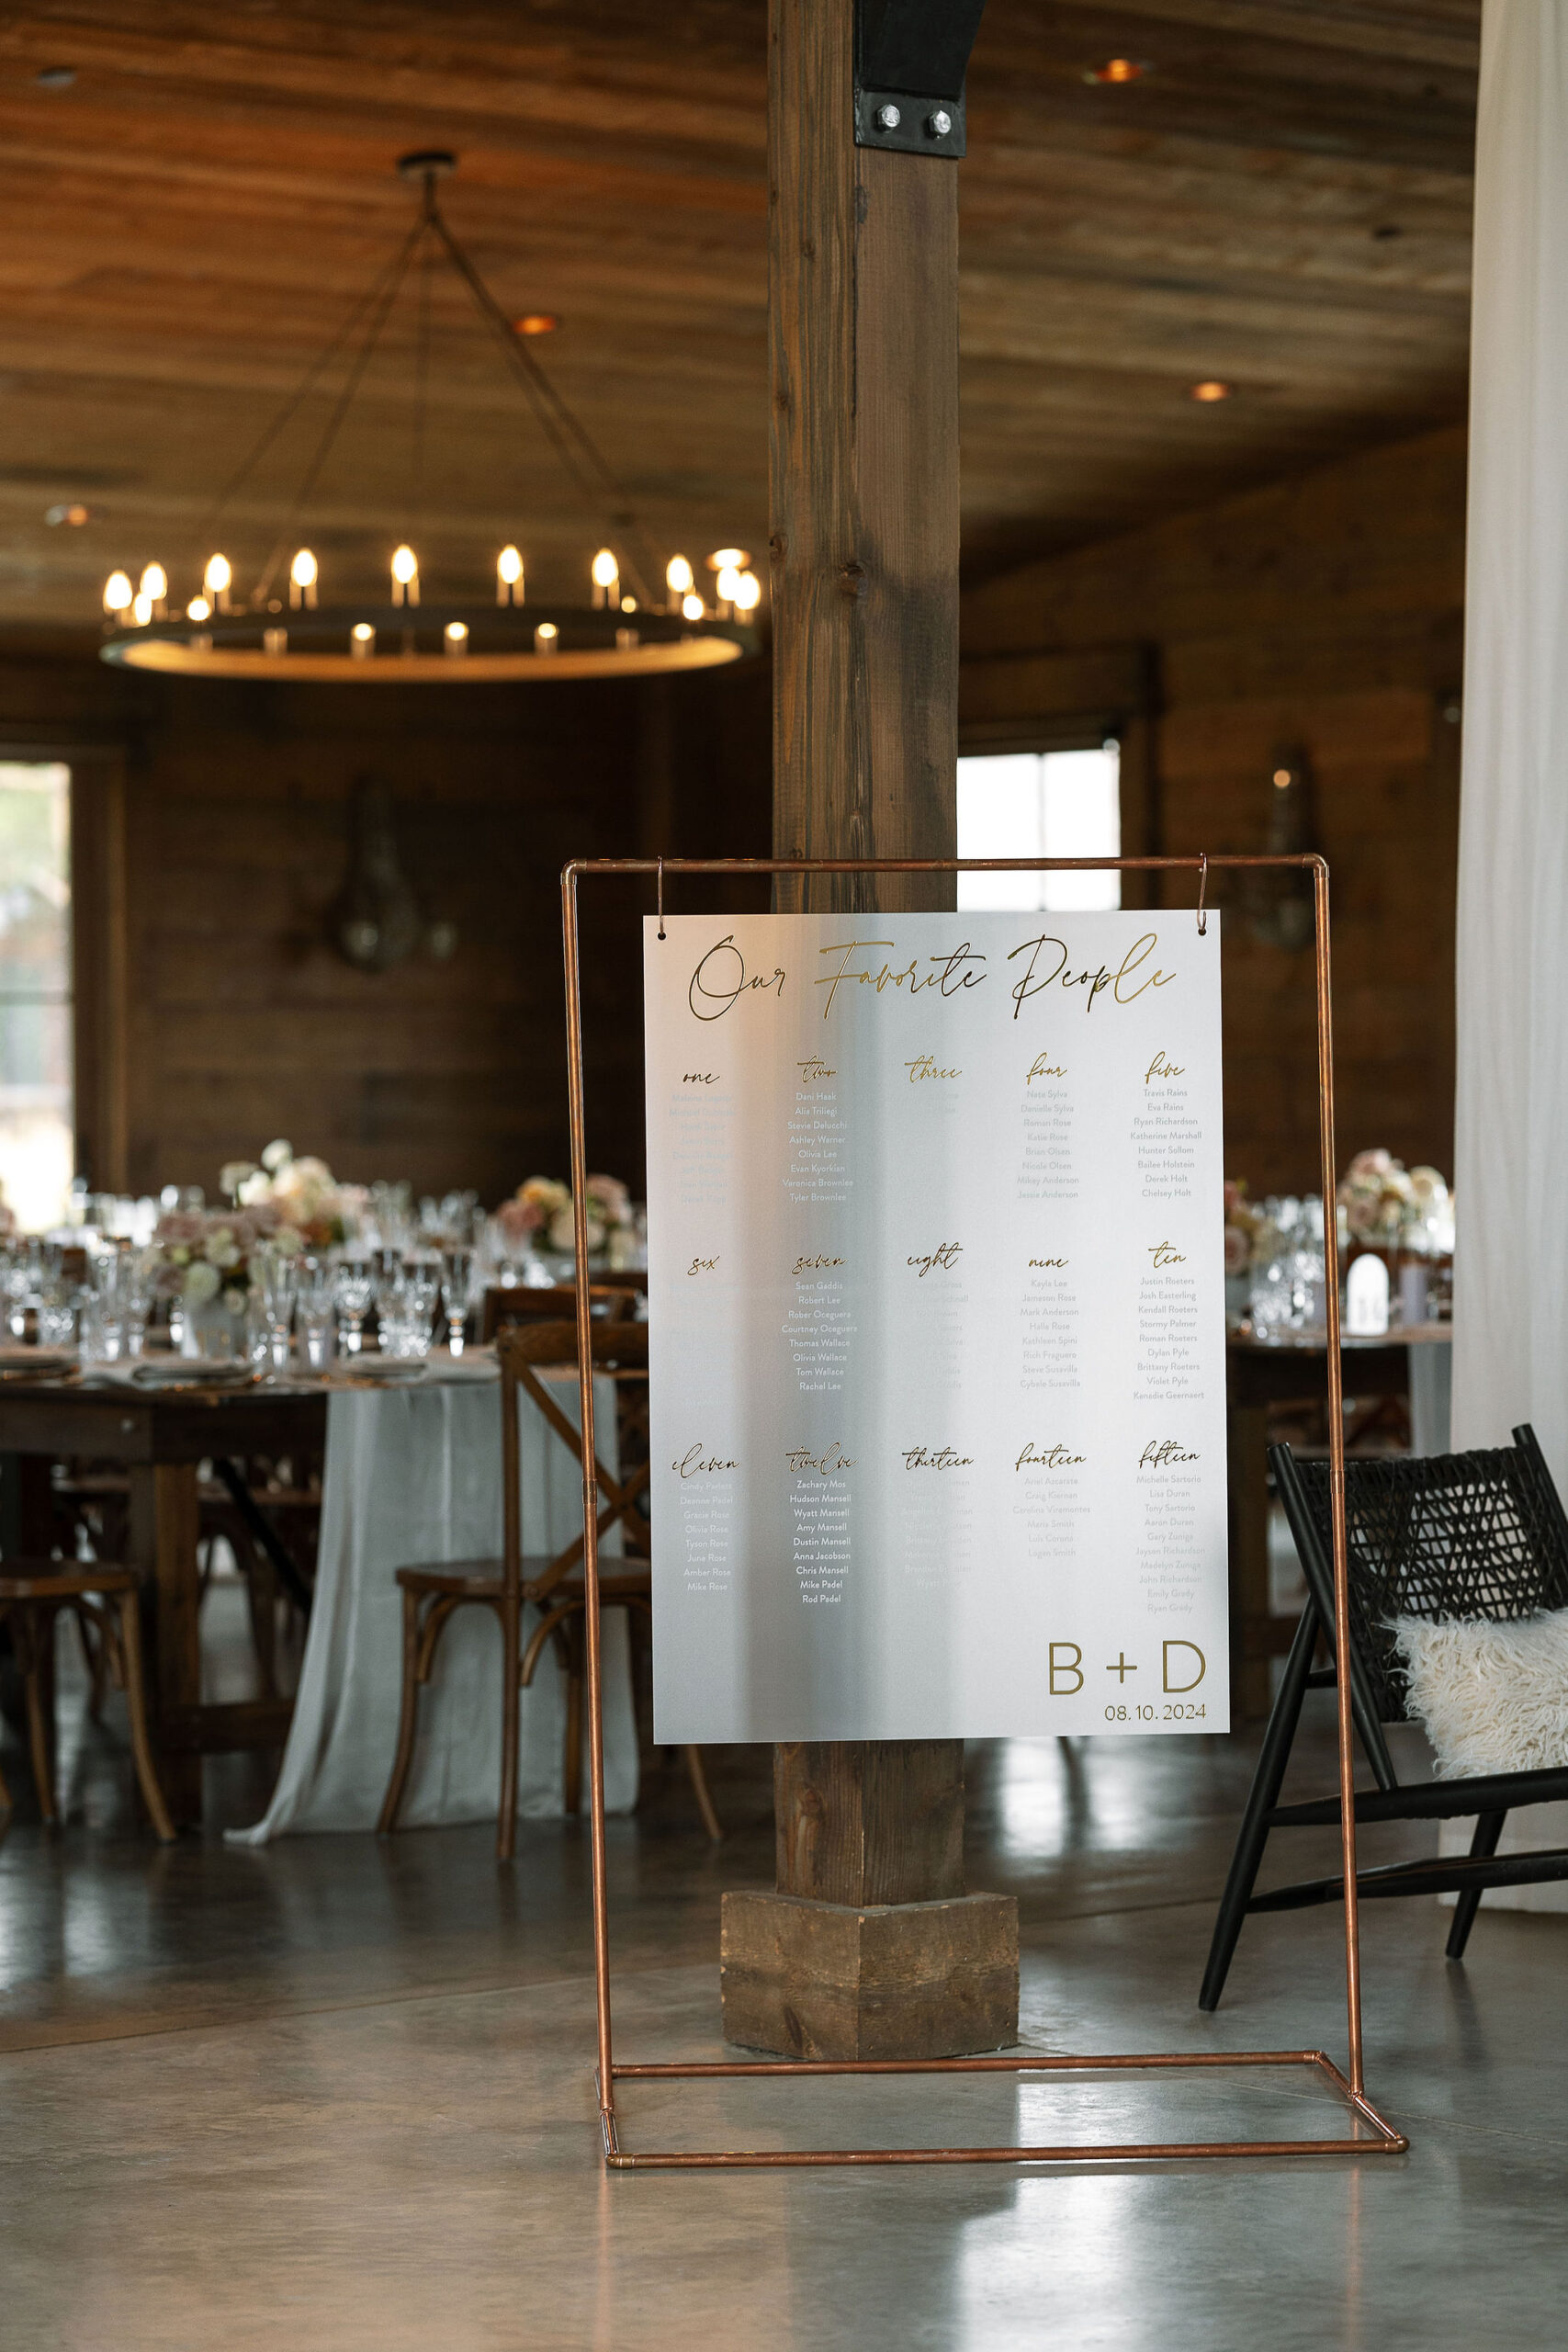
column 1511, row 1145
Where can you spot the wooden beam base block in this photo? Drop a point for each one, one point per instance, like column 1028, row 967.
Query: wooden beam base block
column 805, row 1979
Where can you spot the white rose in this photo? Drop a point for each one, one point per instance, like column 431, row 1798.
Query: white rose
column 201, row 1283
column 257, row 1188
column 233, row 1173
column 277, row 1155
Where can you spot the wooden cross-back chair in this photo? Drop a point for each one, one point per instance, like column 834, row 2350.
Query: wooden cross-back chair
column 611, row 1302
column 431, row 1595
column 1456, row 1535
column 103, row 1597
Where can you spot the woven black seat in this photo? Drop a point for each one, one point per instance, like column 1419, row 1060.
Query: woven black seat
column 1453, row 1535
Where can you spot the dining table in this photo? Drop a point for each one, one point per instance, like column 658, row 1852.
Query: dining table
column 159, row 1437
column 413, row 1476
column 411, row 1473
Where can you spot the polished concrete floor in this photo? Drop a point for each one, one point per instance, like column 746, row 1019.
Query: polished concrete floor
column 338, row 2094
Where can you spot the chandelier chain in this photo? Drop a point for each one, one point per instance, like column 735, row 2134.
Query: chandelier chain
column 340, row 409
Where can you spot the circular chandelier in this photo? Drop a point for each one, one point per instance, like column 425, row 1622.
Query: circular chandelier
column 642, row 615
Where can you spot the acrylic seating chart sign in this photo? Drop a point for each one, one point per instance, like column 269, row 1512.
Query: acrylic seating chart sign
column 937, row 1345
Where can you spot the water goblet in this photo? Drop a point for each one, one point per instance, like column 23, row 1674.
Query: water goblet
column 421, row 1294
column 57, row 1317
column 355, row 1291
column 315, row 1311
column 456, row 1285
column 110, row 1273
column 277, row 1279
column 256, row 1329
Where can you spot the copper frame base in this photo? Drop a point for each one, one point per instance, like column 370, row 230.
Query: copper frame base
column 1386, row 2142
column 1382, row 2138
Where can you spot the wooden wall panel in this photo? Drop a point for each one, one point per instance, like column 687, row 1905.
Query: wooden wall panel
column 1321, row 615
column 243, row 1023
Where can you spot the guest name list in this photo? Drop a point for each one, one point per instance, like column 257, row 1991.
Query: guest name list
column 936, row 1296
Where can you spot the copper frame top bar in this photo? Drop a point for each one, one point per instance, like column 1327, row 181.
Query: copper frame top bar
column 1388, row 2141
column 1303, row 860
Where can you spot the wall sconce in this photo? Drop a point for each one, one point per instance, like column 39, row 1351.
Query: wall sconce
column 1279, row 906
column 377, row 919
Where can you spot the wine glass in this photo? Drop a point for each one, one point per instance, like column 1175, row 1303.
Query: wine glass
column 457, row 1283
column 278, row 1276
column 315, row 1306
column 356, row 1290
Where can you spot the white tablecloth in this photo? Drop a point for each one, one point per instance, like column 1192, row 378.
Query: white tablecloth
column 414, row 1476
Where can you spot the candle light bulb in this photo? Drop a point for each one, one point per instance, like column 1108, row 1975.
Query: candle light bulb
column 198, row 609
column 302, row 579
column 692, row 607
column 509, row 577
column 218, row 577
column 362, row 641
column 728, row 560
column 678, row 577
column 747, row 593
column 728, row 585
column 154, row 584
column 405, row 575
column 118, row 592
column 141, row 609
column 606, row 571
column 545, row 638
column 456, row 638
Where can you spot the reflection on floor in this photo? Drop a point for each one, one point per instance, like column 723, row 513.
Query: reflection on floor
column 338, row 2094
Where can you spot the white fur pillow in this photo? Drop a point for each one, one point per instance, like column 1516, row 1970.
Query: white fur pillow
column 1493, row 1693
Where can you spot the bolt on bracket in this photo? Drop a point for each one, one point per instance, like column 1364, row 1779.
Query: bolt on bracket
column 911, row 60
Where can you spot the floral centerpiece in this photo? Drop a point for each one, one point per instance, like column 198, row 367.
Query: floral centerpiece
column 1385, row 1203
column 1243, row 1223
column 198, row 1257
column 304, row 1196
column 539, row 1216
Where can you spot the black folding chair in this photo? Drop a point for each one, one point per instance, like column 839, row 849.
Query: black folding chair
column 1451, row 1535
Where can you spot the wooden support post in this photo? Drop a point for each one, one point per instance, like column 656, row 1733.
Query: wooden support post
column 870, row 1946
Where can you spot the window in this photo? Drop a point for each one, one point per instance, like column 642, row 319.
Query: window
column 37, row 1108
column 1041, row 804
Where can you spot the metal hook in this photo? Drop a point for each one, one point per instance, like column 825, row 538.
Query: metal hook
column 1203, row 888
column 661, row 897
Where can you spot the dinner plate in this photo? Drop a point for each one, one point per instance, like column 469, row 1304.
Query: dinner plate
column 191, row 1371
column 36, row 1358
column 384, row 1368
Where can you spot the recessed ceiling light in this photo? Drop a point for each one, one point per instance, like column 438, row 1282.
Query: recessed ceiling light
column 1119, row 69
column 536, row 323
column 1210, row 389
column 69, row 511
column 56, row 77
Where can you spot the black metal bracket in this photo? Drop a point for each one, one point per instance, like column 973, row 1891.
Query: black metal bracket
column 911, row 60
